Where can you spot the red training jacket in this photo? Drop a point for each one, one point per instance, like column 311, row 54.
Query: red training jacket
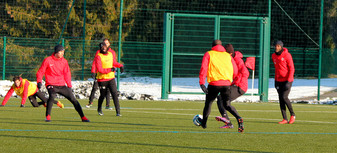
column 93, row 66
column 241, row 79
column 55, row 70
column 205, row 64
column 284, row 66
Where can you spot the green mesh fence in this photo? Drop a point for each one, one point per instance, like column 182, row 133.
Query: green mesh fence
column 33, row 27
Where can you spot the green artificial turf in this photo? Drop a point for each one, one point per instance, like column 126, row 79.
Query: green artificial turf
column 165, row 126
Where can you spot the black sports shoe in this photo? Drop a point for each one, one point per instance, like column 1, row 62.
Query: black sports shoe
column 2, row 105
column 100, row 113
column 240, row 125
column 204, row 126
column 22, row 105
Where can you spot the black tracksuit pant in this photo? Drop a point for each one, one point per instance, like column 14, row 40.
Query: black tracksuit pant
column 213, row 92
column 283, row 90
column 39, row 94
column 65, row 92
column 103, row 88
column 235, row 92
column 92, row 94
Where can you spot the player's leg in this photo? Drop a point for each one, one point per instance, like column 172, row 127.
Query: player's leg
column 225, row 94
column 33, row 101
column 224, row 117
column 280, row 90
column 103, row 92
column 213, row 91
column 113, row 90
column 92, row 94
column 287, row 88
column 235, row 92
column 107, row 106
column 52, row 95
column 45, row 100
column 67, row 93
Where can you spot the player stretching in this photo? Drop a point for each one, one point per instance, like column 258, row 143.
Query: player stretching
column 220, row 68
column 239, row 87
column 105, row 61
column 24, row 89
column 56, row 70
column 284, row 77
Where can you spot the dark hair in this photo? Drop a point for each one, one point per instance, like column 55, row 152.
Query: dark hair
column 278, row 42
column 101, row 45
column 216, row 42
column 58, row 48
column 16, row 78
column 229, row 49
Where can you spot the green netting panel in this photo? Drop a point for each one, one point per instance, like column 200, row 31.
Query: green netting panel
column 305, row 62
column 294, row 22
column 244, row 35
column 24, row 56
column 1, row 56
column 142, row 59
column 192, row 38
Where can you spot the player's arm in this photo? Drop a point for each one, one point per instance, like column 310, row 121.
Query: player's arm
column 235, row 68
column 40, row 73
column 115, row 62
column 25, row 93
column 67, row 74
column 243, row 70
column 8, row 95
column 204, row 68
column 291, row 68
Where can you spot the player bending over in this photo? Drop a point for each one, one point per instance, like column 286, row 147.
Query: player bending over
column 24, row 89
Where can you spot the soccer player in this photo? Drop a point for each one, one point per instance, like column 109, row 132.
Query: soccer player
column 284, row 77
column 93, row 75
column 220, row 69
column 239, row 87
column 57, row 73
column 24, row 89
column 105, row 63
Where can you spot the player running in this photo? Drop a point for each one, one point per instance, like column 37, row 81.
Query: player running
column 220, row 69
column 239, row 87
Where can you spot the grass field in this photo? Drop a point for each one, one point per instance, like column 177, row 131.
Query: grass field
column 161, row 126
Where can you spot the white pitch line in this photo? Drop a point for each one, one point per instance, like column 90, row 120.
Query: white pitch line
column 230, row 117
column 266, row 119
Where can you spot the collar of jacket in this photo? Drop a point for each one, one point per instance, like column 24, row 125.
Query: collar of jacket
column 55, row 58
column 219, row 48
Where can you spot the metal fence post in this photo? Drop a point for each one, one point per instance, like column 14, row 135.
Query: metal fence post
column 120, row 40
column 320, row 51
column 83, row 51
column 166, row 57
column 4, row 60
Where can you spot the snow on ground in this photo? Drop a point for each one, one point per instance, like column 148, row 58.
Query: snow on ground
column 152, row 86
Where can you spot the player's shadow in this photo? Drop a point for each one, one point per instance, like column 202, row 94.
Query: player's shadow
column 130, row 143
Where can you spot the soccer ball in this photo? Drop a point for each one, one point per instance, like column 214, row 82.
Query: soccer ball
column 197, row 120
